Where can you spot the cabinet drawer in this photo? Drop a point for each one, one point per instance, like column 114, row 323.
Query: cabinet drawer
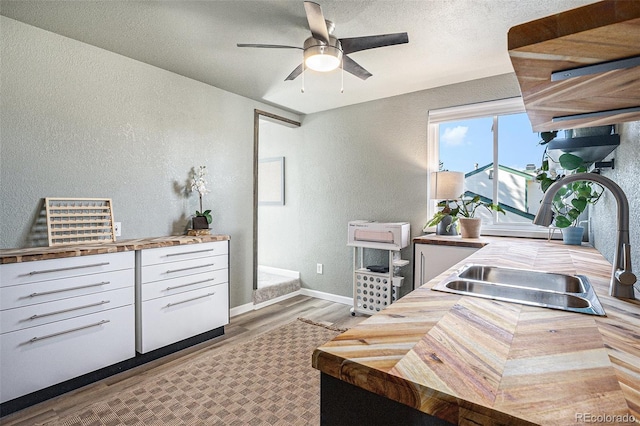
column 29, row 294
column 185, row 252
column 44, row 270
column 57, row 310
column 170, row 319
column 183, row 268
column 42, row 356
column 173, row 286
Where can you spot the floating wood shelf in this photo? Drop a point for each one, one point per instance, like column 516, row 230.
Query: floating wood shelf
column 79, row 220
column 596, row 34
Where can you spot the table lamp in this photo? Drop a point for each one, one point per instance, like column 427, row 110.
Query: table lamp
column 447, row 186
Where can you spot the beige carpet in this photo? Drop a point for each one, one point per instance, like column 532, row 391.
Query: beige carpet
column 267, row 381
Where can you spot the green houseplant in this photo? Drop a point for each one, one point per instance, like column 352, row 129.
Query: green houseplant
column 464, row 211
column 573, row 199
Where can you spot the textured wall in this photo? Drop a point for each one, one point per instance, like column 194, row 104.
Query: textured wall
column 368, row 161
column 79, row 121
column 625, row 174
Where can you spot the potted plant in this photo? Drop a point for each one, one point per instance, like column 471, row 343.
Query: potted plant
column 202, row 219
column 464, row 211
column 573, row 199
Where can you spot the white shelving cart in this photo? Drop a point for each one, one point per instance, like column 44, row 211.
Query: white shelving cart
column 376, row 286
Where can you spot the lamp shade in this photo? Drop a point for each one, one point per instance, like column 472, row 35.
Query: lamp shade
column 447, row 185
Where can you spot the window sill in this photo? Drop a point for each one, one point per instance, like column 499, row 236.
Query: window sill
column 515, row 231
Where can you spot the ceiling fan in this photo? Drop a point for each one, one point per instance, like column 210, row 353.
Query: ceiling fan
column 324, row 52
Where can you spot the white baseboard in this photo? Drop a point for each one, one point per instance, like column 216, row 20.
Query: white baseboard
column 247, row 307
column 276, row 300
column 278, row 271
column 327, row 296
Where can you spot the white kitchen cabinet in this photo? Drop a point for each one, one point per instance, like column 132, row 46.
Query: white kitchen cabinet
column 62, row 318
column 430, row 260
column 181, row 291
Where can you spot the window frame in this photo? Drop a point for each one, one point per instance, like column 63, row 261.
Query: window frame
column 470, row 111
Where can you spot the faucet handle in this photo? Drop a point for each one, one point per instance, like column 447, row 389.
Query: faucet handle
column 625, row 277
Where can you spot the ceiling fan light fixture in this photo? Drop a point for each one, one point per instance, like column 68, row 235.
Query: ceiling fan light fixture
column 322, row 57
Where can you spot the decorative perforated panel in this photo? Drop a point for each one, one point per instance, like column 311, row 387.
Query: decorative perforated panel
column 373, row 292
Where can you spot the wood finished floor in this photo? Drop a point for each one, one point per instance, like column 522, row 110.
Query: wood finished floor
column 240, row 329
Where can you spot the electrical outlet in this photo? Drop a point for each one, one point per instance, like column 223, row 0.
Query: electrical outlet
column 319, row 268
column 117, row 227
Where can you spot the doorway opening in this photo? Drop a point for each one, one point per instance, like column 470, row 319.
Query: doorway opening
column 272, row 134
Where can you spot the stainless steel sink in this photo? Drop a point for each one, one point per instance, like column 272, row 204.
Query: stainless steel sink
column 549, row 290
column 524, row 278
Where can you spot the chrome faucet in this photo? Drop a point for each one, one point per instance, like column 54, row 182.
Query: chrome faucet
column 622, row 278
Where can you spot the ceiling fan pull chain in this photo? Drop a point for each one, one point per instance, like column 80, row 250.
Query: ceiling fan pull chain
column 303, row 68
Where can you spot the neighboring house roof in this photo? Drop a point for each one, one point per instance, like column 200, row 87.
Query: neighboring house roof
column 500, row 167
column 506, row 207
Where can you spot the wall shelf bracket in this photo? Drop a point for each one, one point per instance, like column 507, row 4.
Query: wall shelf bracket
column 605, row 164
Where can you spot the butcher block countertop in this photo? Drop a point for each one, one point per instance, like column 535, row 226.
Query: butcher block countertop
column 469, row 360
column 74, row 250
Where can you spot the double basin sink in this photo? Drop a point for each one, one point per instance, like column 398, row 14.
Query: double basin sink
column 549, row 290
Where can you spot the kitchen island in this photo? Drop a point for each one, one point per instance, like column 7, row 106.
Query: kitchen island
column 437, row 356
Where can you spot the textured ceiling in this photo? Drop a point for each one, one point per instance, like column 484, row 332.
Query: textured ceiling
column 449, row 41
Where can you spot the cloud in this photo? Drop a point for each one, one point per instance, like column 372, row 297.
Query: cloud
column 454, row 136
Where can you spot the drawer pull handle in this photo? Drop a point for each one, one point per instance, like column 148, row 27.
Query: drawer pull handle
column 189, row 252
column 170, row 271
column 103, row 302
column 35, row 339
column 46, row 271
column 189, row 300
column 43, row 293
column 188, row 284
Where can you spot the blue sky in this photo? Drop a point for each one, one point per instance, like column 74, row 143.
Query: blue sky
column 467, row 142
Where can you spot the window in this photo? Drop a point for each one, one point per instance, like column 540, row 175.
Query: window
column 493, row 144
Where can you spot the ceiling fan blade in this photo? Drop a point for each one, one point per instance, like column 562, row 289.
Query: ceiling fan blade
column 295, row 73
column 268, row 46
column 354, row 68
column 317, row 25
column 356, row 44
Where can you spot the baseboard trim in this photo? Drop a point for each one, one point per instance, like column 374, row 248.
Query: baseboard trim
column 242, row 309
column 279, row 271
column 327, row 296
column 247, row 307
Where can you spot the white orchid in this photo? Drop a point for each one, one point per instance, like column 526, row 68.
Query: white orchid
column 198, row 182
column 199, row 185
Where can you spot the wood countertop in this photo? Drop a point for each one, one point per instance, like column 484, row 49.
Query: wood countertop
column 455, row 240
column 74, row 250
column 469, row 360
